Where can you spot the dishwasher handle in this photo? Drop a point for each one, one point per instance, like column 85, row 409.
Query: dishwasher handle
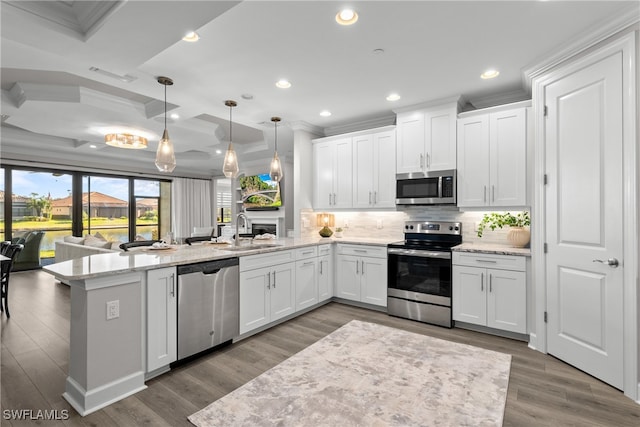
column 208, row 267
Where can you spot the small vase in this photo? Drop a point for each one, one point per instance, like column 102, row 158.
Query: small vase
column 518, row 237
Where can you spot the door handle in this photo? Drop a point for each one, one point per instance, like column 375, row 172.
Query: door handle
column 329, row 198
column 611, row 262
column 321, row 267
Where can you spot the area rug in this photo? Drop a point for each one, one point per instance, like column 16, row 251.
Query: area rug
column 364, row 374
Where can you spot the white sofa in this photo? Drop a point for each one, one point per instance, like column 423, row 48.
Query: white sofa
column 66, row 250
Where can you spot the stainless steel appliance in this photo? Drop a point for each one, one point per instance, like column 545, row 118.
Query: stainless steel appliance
column 419, row 272
column 431, row 188
column 208, row 305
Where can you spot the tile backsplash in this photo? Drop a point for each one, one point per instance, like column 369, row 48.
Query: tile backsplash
column 389, row 224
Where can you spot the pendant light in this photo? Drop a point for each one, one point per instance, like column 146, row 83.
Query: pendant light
column 165, row 156
column 230, row 166
column 276, row 167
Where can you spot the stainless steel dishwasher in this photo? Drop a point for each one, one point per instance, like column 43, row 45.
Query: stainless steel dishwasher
column 208, row 305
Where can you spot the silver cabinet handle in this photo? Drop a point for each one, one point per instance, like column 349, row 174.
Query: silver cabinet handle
column 362, row 269
column 375, row 197
column 481, row 282
column 269, row 280
column 362, row 251
column 321, row 262
column 493, row 193
column 357, row 267
column 308, row 263
column 428, row 160
column 172, row 288
column 421, row 161
column 484, row 194
column 369, row 197
column 492, row 261
column 329, row 198
column 612, row 262
column 274, row 280
column 490, row 282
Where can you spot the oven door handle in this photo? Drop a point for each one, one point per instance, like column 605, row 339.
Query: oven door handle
column 419, row 253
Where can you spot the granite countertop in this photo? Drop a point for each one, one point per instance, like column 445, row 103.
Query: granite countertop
column 142, row 259
column 492, row 248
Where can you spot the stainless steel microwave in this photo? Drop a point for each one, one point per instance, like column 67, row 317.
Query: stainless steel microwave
column 430, row 188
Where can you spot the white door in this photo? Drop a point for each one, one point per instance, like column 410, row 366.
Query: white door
column 306, row 283
column 323, row 175
column 508, row 158
column 385, row 176
column 507, row 300
column 583, row 145
column 348, row 277
column 373, row 288
column 162, row 343
column 473, row 161
column 469, row 297
column 440, row 130
column 343, row 173
column 283, row 291
column 410, row 143
column 324, row 278
column 254, row 299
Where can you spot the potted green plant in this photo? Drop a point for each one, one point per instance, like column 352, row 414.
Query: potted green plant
column 518, row 235
column 338, row 232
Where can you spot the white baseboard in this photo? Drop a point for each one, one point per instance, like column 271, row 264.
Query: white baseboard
column 86, row 402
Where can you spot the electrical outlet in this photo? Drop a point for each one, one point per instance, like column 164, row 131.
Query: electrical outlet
column 113, row 309
column 379, row 224
column 346, row 223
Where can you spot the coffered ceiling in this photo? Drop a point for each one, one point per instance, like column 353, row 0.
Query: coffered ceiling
column 73, row 71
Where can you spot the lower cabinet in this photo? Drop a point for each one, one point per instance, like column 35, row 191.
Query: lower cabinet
column 325, row 272
column 361, row 273
column 267, row 293
column 490, row 290
column 162, row 310
column 306, row 277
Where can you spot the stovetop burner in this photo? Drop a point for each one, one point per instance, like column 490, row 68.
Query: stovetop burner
column 430, row 235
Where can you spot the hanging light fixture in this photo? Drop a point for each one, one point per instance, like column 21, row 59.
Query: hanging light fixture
column 230, row 166
column 276, row 167
column 126, row 140
column 165, row 156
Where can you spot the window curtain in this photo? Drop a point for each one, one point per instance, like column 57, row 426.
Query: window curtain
column 191, row 205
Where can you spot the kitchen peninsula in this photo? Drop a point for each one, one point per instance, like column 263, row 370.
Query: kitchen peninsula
column 110, row 334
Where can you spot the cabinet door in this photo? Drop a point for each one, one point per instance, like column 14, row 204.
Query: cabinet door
column 364, row 157
column 507, row 300
column 473, row 161
column 374, row 281
column 508, row 157
column 162, row 343
column 306, row 283
column 348, row 277
column 469, row 299
column 283, row 291
column 384, row 188
column 440, row 139
column 323, row 175
column 342, row 174
column 254, row 299
column 325, row 281
column 410, row 145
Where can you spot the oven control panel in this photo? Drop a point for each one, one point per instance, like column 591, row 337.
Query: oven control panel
column 433, row 227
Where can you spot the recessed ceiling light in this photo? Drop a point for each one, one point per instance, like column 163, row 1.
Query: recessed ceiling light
column 93, row 146
column 191, row 36
column 377, row 51
column 283, row 84
column 247, row 96
column 218, row 151
column 490, row 74
column 325, row 113
column 393, row 97
column 346, row 17
column 175, row 116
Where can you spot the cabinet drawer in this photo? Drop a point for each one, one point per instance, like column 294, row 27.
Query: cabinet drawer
column 308, row 252
column 268, row 259
column 503, row 262
column 361, row 250
column 324, row 250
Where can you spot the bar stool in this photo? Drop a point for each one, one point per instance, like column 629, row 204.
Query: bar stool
column 12, row 253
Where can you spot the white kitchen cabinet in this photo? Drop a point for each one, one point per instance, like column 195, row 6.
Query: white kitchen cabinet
column 306, row 277
column 267, row 288
column 426, row 140
column 374, row 176
column 361, row 273
column 490, row 290
column 492, row 163
column 325, row 272
column 161, row 318
column 332, row 174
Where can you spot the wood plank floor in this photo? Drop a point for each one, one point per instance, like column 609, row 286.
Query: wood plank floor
column 543, row 391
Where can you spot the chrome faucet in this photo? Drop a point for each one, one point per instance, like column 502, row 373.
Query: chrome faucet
column 240, row 215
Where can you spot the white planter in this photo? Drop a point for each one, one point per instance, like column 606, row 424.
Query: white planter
column 518, row 236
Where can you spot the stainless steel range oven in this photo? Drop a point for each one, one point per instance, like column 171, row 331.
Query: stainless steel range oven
column 419, row 272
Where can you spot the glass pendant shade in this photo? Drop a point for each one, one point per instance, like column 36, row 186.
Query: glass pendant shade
column 230, row 166
column 275, row 172
column 165, row 156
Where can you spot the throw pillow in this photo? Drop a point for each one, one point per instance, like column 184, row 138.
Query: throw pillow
column 74, row 239
column 96, row 243
column 100, row 236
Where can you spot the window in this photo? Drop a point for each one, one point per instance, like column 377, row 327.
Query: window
column 223, row 201
column 105, row 207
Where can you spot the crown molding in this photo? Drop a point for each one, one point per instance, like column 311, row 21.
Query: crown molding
column 307, row 127
column 498, row 99
column 625, row 19
column 377, row 122
column 458, row 100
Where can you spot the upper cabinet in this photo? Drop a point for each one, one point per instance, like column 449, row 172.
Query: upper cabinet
column 492, row 157
column 426, row 139
column 355, row 170
column 332, row 178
